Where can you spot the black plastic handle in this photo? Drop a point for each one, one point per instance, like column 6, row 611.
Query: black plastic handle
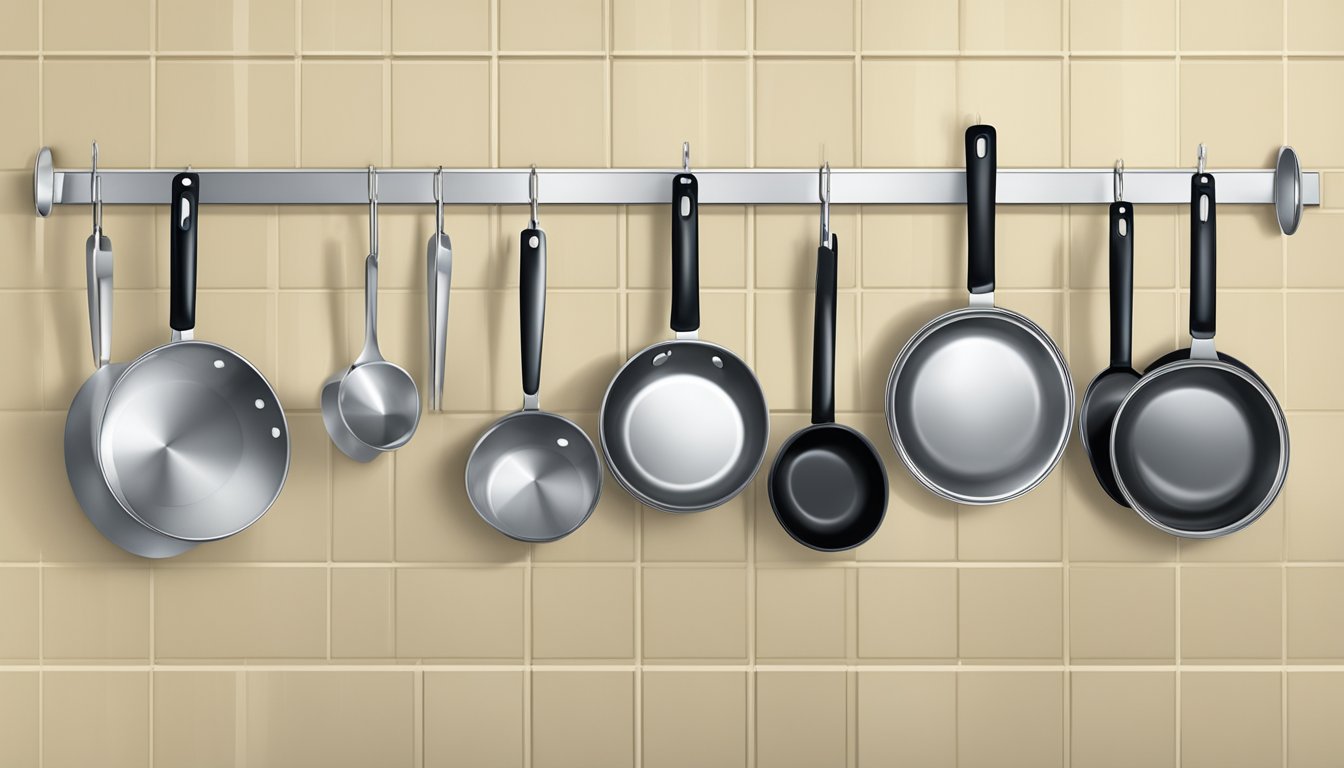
column 685, row 253
column 1203, row 257
column 1122, row 284
column 182, row 251
column 532, row 304
column 823, row 336
column 981, row 185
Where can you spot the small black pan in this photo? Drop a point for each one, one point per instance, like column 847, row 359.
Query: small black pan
column 1199, row 446
column 827, row 486
column 1110, row 386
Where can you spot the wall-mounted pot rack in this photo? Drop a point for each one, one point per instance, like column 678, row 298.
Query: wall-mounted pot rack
column 1286, row 186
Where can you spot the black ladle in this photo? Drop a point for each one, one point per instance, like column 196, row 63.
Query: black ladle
column 827, row 486
column 1109, row 388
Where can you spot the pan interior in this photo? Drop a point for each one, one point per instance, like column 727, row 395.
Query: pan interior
column 1199, row 448
column 194, row 442
column 828, row 487
column 534, row 476
column 380, row 404
column 685, row 425
column 980, row 405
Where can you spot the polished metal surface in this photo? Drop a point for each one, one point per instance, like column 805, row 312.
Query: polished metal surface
column 534, row 476
column 1200, row 448
column 86, row 477
column 1095, row 417
column 438, row 281
column 373, row 406
column 193, row 441
column 1287, row 190
column 44, row 183
column 684, row 426
column 621, row 186
column 980, row 405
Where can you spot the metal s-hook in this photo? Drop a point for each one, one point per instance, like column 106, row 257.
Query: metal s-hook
column 824, row 193
column 1119, row 180
column 438, row 201
column 685, row 157
column 96, row 191
column 532, row 194
column 373, row 213
column 1202, row 154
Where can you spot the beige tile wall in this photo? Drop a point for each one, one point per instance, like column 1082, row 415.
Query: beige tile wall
column 372, row 619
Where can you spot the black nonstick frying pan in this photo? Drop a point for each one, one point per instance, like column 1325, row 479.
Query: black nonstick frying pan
column 1109, row 388
column 1199, row 446
column 827, row 486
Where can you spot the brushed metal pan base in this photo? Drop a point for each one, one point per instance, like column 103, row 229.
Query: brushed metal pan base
column 684, row 426
column 980, row 405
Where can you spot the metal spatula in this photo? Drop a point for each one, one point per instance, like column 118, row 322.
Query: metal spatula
column 439, row 262
column 98, row 263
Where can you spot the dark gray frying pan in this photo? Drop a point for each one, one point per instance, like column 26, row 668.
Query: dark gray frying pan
column 1199, row 446
column 827, row 486
column 684, row 424
column 1109, row 388
column 980, row 401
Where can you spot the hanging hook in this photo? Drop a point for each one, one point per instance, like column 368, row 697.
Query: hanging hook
column 1119, row 180
column 96, row 191
column 1203, row 157
column 824, row 192
column 532, row 184
column 438, row 201
column 686, row 156
column 373, row 213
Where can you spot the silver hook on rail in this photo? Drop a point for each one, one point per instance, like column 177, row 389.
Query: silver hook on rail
column 686, row 157
column 373, row 213
column 1119, row 180
column 532, row 194
column 438, row 201
column 1202, row 155
column 96, row 191
column 824, row 192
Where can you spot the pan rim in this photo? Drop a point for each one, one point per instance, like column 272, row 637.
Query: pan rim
column 998, row 314
column 783, row 449
column 1280, row 423
column 121, row 380
column 639, row 495
column 494, row 427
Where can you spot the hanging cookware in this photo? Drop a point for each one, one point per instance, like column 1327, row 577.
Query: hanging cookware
column 827, row 486
column 1199, row 446
column 533, row 475
column 373, row 406
column 438, row 279
column 684, row 423
column 980, row 401
column 83, row 422
column 1109, row 388
column 193, row 441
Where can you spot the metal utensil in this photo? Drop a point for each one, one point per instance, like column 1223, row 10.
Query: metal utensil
column 1199, row 446
column 193, row 442
column 980, row 401
column 827, row 486
column 534, row 476
column 1109, row 387
column 83, row 421
column 98, row 263
column 439, row 262
column 684, row 423
column 373, row 406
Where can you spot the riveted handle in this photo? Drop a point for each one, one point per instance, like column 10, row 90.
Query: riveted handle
column 685, row 253
column 981, row 176
column 182, row 251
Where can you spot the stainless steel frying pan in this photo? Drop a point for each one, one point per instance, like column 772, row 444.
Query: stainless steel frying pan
column 534, row 476
column 684, row 424
column 193, row 442
column 980, row 401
